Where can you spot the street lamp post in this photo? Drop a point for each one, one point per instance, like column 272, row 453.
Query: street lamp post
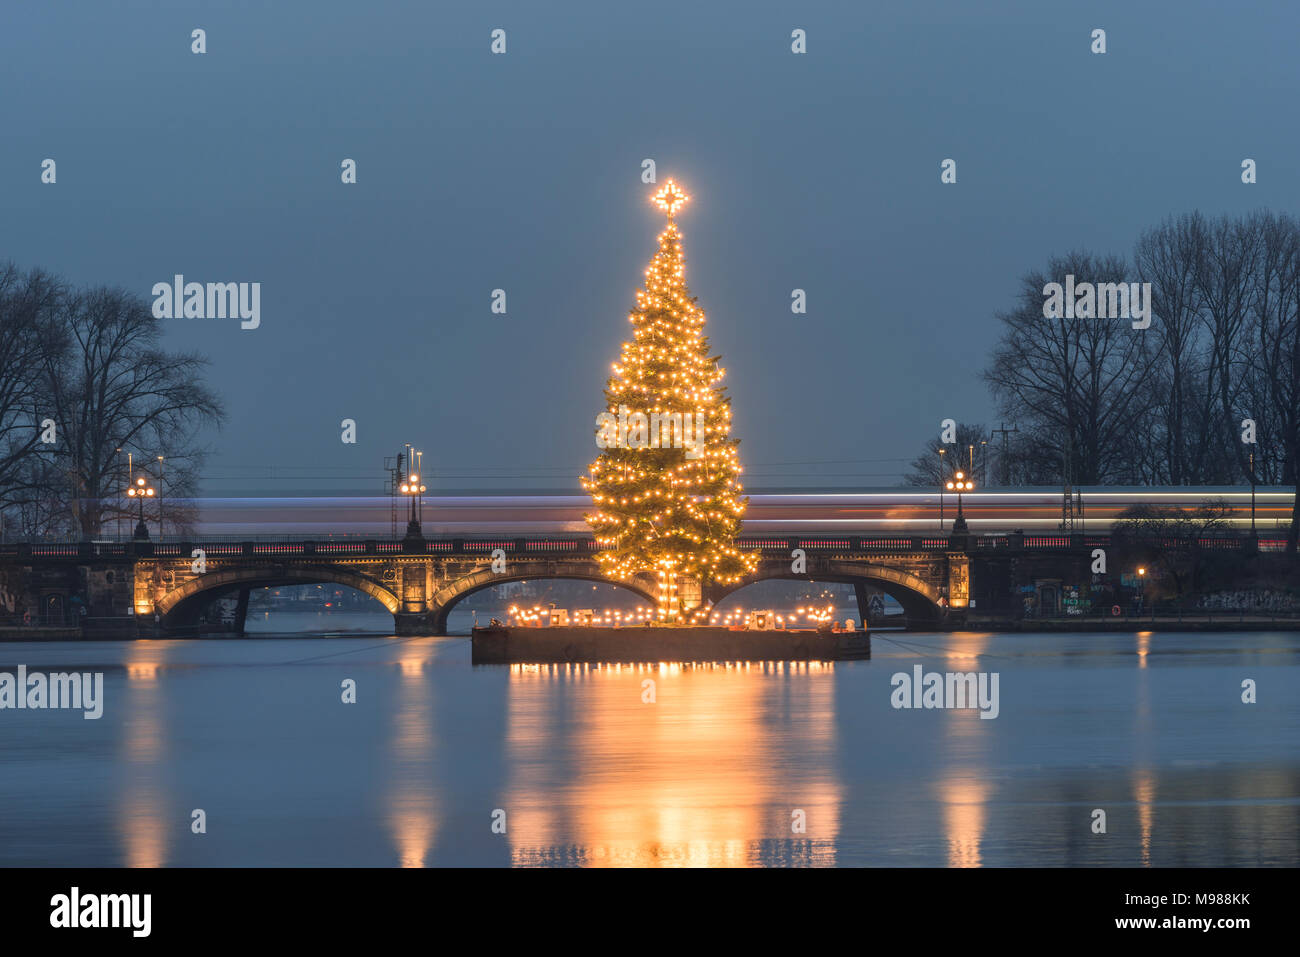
column 959, row 484
column 141, row 490
column 160, row 508
column 942, row 452
column 119, row 514
column 1252, row 495
column 130, row 481
column 412, row 488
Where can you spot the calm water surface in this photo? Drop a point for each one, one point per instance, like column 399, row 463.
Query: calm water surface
column 1148, row 727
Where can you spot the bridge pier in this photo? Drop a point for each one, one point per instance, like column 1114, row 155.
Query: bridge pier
column 415, row 623
column 241, row 612
column 864, row 603
column 414, row 575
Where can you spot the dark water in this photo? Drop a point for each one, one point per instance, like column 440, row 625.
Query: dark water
column 1148, row 727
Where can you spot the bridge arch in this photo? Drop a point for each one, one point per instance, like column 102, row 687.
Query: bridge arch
column 181, row 605
column 919, row 598
column 447, row 597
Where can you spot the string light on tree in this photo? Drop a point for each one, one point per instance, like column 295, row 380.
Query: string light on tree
column 659, row 509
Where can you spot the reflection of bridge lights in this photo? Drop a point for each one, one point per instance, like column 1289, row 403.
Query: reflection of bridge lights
column 413, row 812
column 145, row 671
column 143, row 817
column 1143, row 647
column 964, row 800
column 1144, row 796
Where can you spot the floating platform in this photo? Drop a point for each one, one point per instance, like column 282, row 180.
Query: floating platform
column 515, row 645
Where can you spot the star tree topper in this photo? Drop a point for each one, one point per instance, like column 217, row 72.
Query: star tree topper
column 670, row 198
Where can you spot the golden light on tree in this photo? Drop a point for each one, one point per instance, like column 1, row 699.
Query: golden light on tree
column 672, row 508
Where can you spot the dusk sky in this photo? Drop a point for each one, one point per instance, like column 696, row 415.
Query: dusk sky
column 522, row 171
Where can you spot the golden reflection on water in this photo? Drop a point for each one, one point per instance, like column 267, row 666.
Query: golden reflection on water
column 963, row 799
column 965, row 652
column 412, row 803
column 142, row 671
column 143, row 815
column 1144, row 793
column 1143, row 647
column 964, row 790
column 1144, row 784
column 710, row 774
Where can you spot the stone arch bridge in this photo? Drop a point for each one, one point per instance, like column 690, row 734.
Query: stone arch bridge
column 163, row 588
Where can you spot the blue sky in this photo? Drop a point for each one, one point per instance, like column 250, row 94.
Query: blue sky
column 522, row 171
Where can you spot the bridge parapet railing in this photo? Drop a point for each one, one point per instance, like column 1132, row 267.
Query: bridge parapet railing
column 505, row 545
column 560, row 545
column 875, row 543
column 340, row 548
column 81, row 550
column 765, row 544
column 211, row 550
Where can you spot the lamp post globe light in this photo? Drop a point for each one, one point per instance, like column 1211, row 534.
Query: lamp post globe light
column 959, row 483
column 412, row 488
column 141, row 490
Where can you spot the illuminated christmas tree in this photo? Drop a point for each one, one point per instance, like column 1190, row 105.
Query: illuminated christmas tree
column 666, row 487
